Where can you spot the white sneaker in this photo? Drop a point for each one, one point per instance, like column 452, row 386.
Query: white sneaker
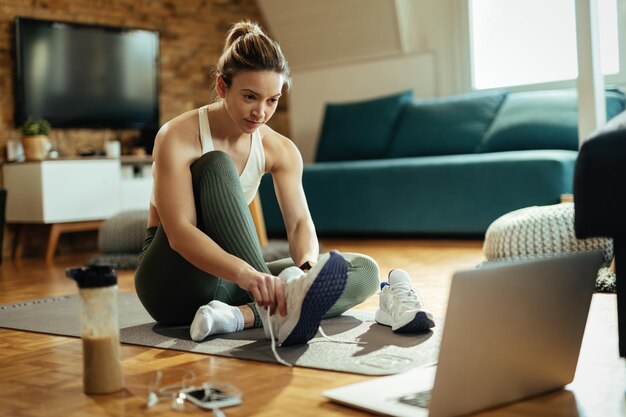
column 287, row 275
column 308, row 297
column 401, row 307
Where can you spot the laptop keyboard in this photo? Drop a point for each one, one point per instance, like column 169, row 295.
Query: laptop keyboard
column 418, row 399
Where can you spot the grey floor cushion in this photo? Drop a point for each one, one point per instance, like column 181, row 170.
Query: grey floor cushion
column 120, row 240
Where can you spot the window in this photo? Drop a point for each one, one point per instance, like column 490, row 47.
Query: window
column 515, row 42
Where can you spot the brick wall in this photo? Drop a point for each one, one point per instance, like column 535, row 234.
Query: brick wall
column 191, row 37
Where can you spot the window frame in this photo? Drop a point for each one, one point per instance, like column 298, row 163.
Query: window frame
column 467, row 67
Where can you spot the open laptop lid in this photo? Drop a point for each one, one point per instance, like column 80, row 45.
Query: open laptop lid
column 512, row 331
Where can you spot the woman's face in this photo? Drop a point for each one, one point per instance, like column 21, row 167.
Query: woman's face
column 252, row 98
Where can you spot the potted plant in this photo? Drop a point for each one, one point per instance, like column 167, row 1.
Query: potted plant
column 35, row 139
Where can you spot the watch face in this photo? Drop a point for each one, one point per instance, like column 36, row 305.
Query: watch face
column 305, row 266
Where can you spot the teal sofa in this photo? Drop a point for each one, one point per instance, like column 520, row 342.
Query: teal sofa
column 447, row 166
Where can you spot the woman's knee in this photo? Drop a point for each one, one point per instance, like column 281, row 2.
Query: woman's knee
column 216, row 162
column 363, row 275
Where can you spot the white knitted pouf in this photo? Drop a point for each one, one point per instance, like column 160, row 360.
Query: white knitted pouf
column 539, row 231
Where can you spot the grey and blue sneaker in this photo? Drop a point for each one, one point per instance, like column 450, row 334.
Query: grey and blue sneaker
column 308, row 296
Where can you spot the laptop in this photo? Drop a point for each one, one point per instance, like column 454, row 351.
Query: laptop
column 512, row 331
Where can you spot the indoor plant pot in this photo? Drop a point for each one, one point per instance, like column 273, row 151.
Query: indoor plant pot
column 35, row 139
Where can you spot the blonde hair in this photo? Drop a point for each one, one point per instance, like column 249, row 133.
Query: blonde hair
column 248, row 48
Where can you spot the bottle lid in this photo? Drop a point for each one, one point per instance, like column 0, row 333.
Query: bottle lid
column 93, row 276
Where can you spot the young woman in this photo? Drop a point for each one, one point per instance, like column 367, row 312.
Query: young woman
column 201, row 260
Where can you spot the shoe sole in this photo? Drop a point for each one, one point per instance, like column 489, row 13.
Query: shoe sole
column 321, row 296
column 420, row 323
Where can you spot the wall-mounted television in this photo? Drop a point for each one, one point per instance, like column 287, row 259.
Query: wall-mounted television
column 86, row 76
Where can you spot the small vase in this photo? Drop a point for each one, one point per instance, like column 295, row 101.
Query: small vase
column 36, row 148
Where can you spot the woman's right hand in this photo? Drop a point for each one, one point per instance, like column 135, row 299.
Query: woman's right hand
column 267, row 290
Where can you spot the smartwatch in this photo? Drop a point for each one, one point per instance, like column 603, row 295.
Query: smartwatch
column 305, row 266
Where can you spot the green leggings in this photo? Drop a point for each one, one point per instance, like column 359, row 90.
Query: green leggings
column 172, row 289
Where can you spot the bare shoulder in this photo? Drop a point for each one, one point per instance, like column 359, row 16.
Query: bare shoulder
column 178, row 137
column 279, row 150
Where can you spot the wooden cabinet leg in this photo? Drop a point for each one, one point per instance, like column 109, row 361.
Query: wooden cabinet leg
column 18, row 240
column 259, row 222
column 56, row 230
column 53, row 239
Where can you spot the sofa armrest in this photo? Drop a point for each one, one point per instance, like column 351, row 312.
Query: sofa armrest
column 599, row 193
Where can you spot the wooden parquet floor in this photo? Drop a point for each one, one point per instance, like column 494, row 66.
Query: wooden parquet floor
column 41, row 375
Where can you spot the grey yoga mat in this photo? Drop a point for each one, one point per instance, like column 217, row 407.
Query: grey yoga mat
column 383, row 352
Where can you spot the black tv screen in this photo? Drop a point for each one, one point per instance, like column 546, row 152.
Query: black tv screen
column 77, row 75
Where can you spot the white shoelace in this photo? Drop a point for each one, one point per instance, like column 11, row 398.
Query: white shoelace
column 404, row 292
column 276, row 355
column 284, row 362
column 335, row 340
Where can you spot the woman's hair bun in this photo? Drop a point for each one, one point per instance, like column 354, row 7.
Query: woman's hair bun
column 246, row 48
column 241, row 29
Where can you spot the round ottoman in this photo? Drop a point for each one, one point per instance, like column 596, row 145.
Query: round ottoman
column 540, row 231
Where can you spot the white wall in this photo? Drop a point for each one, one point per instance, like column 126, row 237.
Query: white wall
column 349, row 50
column 346, row 50
column 329, row 32
column 313, row 88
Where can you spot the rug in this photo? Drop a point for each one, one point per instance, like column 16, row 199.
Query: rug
column 382, row 352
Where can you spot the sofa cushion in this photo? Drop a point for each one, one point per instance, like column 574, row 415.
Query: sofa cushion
column 541, row 120
column 447, row 194
column 445, row 126
column 359, row 130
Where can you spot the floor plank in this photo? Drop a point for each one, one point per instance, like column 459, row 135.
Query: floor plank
column 42, row 374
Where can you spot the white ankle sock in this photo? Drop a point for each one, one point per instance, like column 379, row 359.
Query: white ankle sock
column 215, row 318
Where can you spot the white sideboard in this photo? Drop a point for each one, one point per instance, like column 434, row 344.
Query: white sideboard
column 135, row 183
column 62, row 191
column 74, row 194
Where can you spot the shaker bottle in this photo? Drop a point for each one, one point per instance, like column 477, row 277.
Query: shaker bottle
column 99, row 329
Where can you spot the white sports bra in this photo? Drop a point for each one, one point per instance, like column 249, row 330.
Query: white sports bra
column 254, row 169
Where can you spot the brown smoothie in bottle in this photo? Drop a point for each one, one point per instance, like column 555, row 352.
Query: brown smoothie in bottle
column 102, row 370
